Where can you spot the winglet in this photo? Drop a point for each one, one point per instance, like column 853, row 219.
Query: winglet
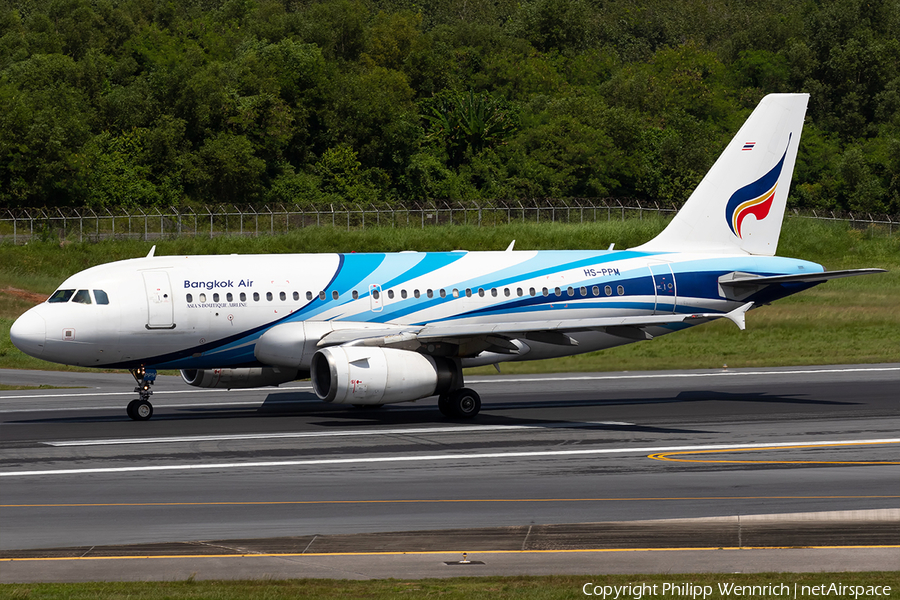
column 152, row 251
column 511, row 245
column 737, row 316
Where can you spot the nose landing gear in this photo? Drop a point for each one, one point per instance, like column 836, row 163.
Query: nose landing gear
column 141, row 409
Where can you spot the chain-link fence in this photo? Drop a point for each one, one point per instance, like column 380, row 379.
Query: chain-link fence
column 20, row 226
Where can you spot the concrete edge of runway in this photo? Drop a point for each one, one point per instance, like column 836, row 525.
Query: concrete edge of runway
column 863, row 540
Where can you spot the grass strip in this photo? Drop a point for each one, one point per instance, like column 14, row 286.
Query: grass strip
column 631, row 587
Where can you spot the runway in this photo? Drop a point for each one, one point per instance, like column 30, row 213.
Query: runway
column 560, row 449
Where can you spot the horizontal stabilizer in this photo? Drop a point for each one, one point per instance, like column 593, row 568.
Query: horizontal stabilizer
column 747, row 279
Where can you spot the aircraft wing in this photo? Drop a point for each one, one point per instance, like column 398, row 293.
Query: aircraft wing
column 499, row 334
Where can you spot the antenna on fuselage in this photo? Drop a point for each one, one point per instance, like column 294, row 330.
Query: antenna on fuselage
column 510, row 247
column 152, row 250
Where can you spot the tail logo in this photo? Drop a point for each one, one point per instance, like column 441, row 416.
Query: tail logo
column 754, row 199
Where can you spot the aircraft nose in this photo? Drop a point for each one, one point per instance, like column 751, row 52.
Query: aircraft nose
column 29, row 333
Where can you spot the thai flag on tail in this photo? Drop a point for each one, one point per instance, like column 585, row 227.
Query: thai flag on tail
column 748, row 146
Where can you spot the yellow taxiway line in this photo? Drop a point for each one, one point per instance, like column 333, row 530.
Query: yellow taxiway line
column 667, row 455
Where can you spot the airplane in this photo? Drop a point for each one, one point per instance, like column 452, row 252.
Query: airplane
column 376, row 328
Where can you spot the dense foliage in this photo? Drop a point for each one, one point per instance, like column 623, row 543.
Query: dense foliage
column 158, row 102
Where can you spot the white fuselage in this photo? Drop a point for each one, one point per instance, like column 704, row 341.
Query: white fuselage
column 190, row 312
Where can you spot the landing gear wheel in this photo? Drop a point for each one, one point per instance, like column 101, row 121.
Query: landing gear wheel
column 140, row 410
column 463, row 403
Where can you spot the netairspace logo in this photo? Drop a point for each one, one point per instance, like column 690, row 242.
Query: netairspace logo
column 729, row 589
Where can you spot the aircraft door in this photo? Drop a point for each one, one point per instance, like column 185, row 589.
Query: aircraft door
column 160, row 308
column 665, row 288
column 376, row 301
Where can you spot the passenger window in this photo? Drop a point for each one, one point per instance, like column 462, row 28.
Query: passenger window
column 403, row 294
column 82, row 297
column 322, row 295
column 189, row 298
column 494, row 292
column 243, row 297
column 558, row 292
column 391, row 294
column 430, row 293
column 545, row 292
column 355, row 295
column 455, row 293
column 282, row 296
column 202, row 298
column 229, row 297
column 519, row 292
column 608, row 290
column 583, row 291
column 443, row 293
column 256, row 296
column 531, row 291
column 60, row 296
column 100, row 297
column 468, row 292
column 620, row 290
column 571, row 292
column 216, row 297
column 506, row 292
column 296, row 296
column 309, row 295
column 334, row 294
column 269, row 296
column 415, row 293
column 595, row 290
column 376, row 294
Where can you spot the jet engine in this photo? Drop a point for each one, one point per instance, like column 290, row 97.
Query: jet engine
column 366, row 375
column 238, row 378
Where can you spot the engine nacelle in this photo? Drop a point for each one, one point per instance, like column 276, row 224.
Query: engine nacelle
column 238, row 378
column 365, row 375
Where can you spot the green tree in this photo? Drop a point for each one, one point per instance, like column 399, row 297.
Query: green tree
column 465, row 123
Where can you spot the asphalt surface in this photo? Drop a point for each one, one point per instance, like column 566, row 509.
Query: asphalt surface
column 553, row 463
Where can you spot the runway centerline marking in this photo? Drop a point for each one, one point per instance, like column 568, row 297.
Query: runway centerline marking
column 416, row 458
column 666, row 456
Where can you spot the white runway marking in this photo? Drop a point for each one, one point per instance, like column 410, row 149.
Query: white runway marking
column 325, row 434
column 682, row 375
column 432, row 458
column 498, row 380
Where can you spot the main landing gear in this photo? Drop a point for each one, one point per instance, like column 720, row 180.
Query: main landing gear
column 463, row 403
column 141, row 409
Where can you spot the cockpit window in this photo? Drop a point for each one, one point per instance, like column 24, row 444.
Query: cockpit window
column 61, row 296
column 82, row 297
column 101, row 297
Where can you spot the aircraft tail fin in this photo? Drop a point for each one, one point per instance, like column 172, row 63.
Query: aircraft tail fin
column 739, row 205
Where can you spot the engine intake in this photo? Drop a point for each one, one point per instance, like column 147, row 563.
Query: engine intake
column 364, row 375
column 238, row 378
